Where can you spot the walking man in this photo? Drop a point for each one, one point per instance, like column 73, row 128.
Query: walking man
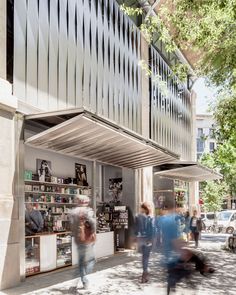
column 83, row 230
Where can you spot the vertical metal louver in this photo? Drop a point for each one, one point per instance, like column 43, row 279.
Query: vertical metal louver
column 170, row 108
column 78, row 53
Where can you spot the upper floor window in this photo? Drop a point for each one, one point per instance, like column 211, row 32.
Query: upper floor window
column 200, row 145
column 211, row 146
column 199, row 132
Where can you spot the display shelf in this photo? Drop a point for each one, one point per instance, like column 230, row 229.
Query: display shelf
column 56, row 184
column 59, row 204
column 57, row 213
column 64, row 245
column 163, row 191
column 51, row 193
column 64, row 250
column 65, row 233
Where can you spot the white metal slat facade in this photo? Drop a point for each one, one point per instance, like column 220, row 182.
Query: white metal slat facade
column 32, row 54
column 43, row 55
column 66, row 45
column 171, row 113
column 53, row 56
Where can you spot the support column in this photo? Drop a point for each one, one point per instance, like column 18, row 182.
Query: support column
column 147, row 184
column 10, row 214
column 130, row 193
column 145, row 174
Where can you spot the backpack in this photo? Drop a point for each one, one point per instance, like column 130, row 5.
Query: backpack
column 83, row 228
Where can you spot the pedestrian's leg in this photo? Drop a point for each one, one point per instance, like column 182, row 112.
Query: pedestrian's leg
column 146, row 255
column 82, row 270
column 196, row 238
column 90, row 266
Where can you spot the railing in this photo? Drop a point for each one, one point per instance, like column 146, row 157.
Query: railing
column 170, row 108
column 78, row 53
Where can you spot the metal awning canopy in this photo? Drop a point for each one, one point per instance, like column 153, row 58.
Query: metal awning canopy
column 186, row 171
column 90, row 137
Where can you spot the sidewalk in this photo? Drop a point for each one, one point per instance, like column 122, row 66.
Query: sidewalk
column 119, row 275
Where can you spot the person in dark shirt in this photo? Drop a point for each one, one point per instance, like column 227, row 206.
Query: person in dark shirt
column 144, row 231
column 33, row 220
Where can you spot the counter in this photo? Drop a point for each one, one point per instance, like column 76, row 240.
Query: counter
column 49, row 251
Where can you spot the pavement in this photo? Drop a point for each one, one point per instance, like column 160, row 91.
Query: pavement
column 120, row 274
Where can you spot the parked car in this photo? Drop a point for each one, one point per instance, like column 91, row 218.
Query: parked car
column 227, row 220
column 208, row 219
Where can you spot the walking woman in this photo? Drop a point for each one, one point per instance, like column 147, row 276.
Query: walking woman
column 187, row 225
column 145, row 230
column 195, row 227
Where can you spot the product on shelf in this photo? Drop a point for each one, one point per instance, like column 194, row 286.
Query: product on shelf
column 55, row 198
column 64, row 254
column 102, row 225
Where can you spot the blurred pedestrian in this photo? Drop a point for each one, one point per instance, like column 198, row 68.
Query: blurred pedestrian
column 178, row 259
column 145, row 231
column 83, row 230
column 187, row 225
column 195, row 227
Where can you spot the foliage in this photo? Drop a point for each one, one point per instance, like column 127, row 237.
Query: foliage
column 153, row 27
column 209, row 28
column 224, row 110
column 131, row 11
column 213, row 193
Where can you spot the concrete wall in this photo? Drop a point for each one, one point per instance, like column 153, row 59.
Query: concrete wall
column 62, row 166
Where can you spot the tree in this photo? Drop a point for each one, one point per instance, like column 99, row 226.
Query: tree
column 213, row 193
column 224, row 110
column 207, row 27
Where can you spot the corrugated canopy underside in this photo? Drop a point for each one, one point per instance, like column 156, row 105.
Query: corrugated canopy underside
column 187, row 171
column 89, row 138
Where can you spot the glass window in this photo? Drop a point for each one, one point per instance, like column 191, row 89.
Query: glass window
column 199, row 132
column 211, row 216
column 233, row 217
column 212, row 146
column 200, row 145
column 224, row 216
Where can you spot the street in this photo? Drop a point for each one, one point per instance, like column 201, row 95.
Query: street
column 120, row 275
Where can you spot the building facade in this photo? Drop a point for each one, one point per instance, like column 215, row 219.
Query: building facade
column 72, row 84
column 205, row 141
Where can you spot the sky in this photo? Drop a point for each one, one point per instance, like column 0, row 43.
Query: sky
column 204, row 96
